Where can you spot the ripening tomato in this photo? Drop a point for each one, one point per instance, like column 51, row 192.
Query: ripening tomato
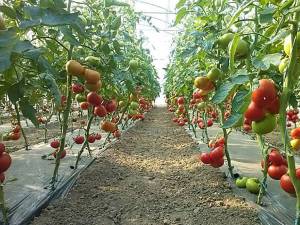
column 274, row 107
column 286, row 184
column 117, row 134
column 84, row 105
column 94, row 99
column 175, row 119
column 295, row 143
column 276, row 172
column 265, row 126
column 295, row 133
column 111, row 106
column 181, row 123
column 254, row 112
column 275, row 157
column 14, row 136
column 16, row 129
column 100, row 111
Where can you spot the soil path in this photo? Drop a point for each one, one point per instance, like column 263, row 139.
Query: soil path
column 151, row 176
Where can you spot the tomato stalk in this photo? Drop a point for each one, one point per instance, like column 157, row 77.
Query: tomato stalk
column 225, row 136
column 265, row 155
column 288, row 88
column 21, row 127
column 204, row 115
column 2, row 205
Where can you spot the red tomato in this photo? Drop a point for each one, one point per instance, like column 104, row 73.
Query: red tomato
column 5, row 162
column 276, row 172
column 77, row 88
column 180, row 101
column 91, row 138
column 14, row 136
column 175, row 119
column 100, row 111
column 78, row 139
column 63, row 154
column 201, row 125
column 254, row 112
column 205, row 158
column 181, row 123
column 55, row 144
column 217, row 153
column 94, row 99
column 98, row 136
column 111, row 106
column 210, row 122
column 274, row 106
column 218, row 163
column 117, row 134
column 286, row 184
column 275, row 157
column 247, row 128
column 16, row 129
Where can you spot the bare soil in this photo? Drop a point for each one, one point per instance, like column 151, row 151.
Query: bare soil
column 151, row 176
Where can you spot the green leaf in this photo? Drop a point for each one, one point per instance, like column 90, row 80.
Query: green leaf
column 180, row 3
column 226, row 88
column 15, row 92
column 52, row 86
column 180, row 15
column 232, row 49
column 9, row 12
column 28, row 111
column 293, row 101
column 116, row 23
column 238, row 100
column 273, row 59
column 266, row 16
column 238, row 13
column 232, row 120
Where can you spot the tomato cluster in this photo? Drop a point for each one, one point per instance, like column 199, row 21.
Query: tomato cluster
column 292, row 116
column 5, row 162
column 13, row 135
column 277, row 164
column 261, row 112
column 215, row 157
column 295, row 136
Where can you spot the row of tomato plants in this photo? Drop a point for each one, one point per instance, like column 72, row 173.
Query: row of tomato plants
column 80, row 61
column 237, row 63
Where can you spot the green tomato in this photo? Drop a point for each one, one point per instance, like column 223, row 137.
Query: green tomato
column 92, row 60
column 214, row 74
column 80, row 98
column 241, row 182
column 287, row 45
column 253, row 185
column 283, row 65
column 134, row 105
column 242, row 49
column 264, row 126
column 133, row 64
column 132, row 112
column 225, row 39
column 201, row 105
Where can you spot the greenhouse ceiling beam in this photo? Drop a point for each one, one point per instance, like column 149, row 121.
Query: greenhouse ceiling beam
column 147, row 3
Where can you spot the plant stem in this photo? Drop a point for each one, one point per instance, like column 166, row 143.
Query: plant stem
column 225, row 136
column 22, row 130
column 86, row 143
column 263, row 185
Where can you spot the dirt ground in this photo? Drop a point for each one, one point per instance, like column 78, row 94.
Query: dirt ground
column 151, row 176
